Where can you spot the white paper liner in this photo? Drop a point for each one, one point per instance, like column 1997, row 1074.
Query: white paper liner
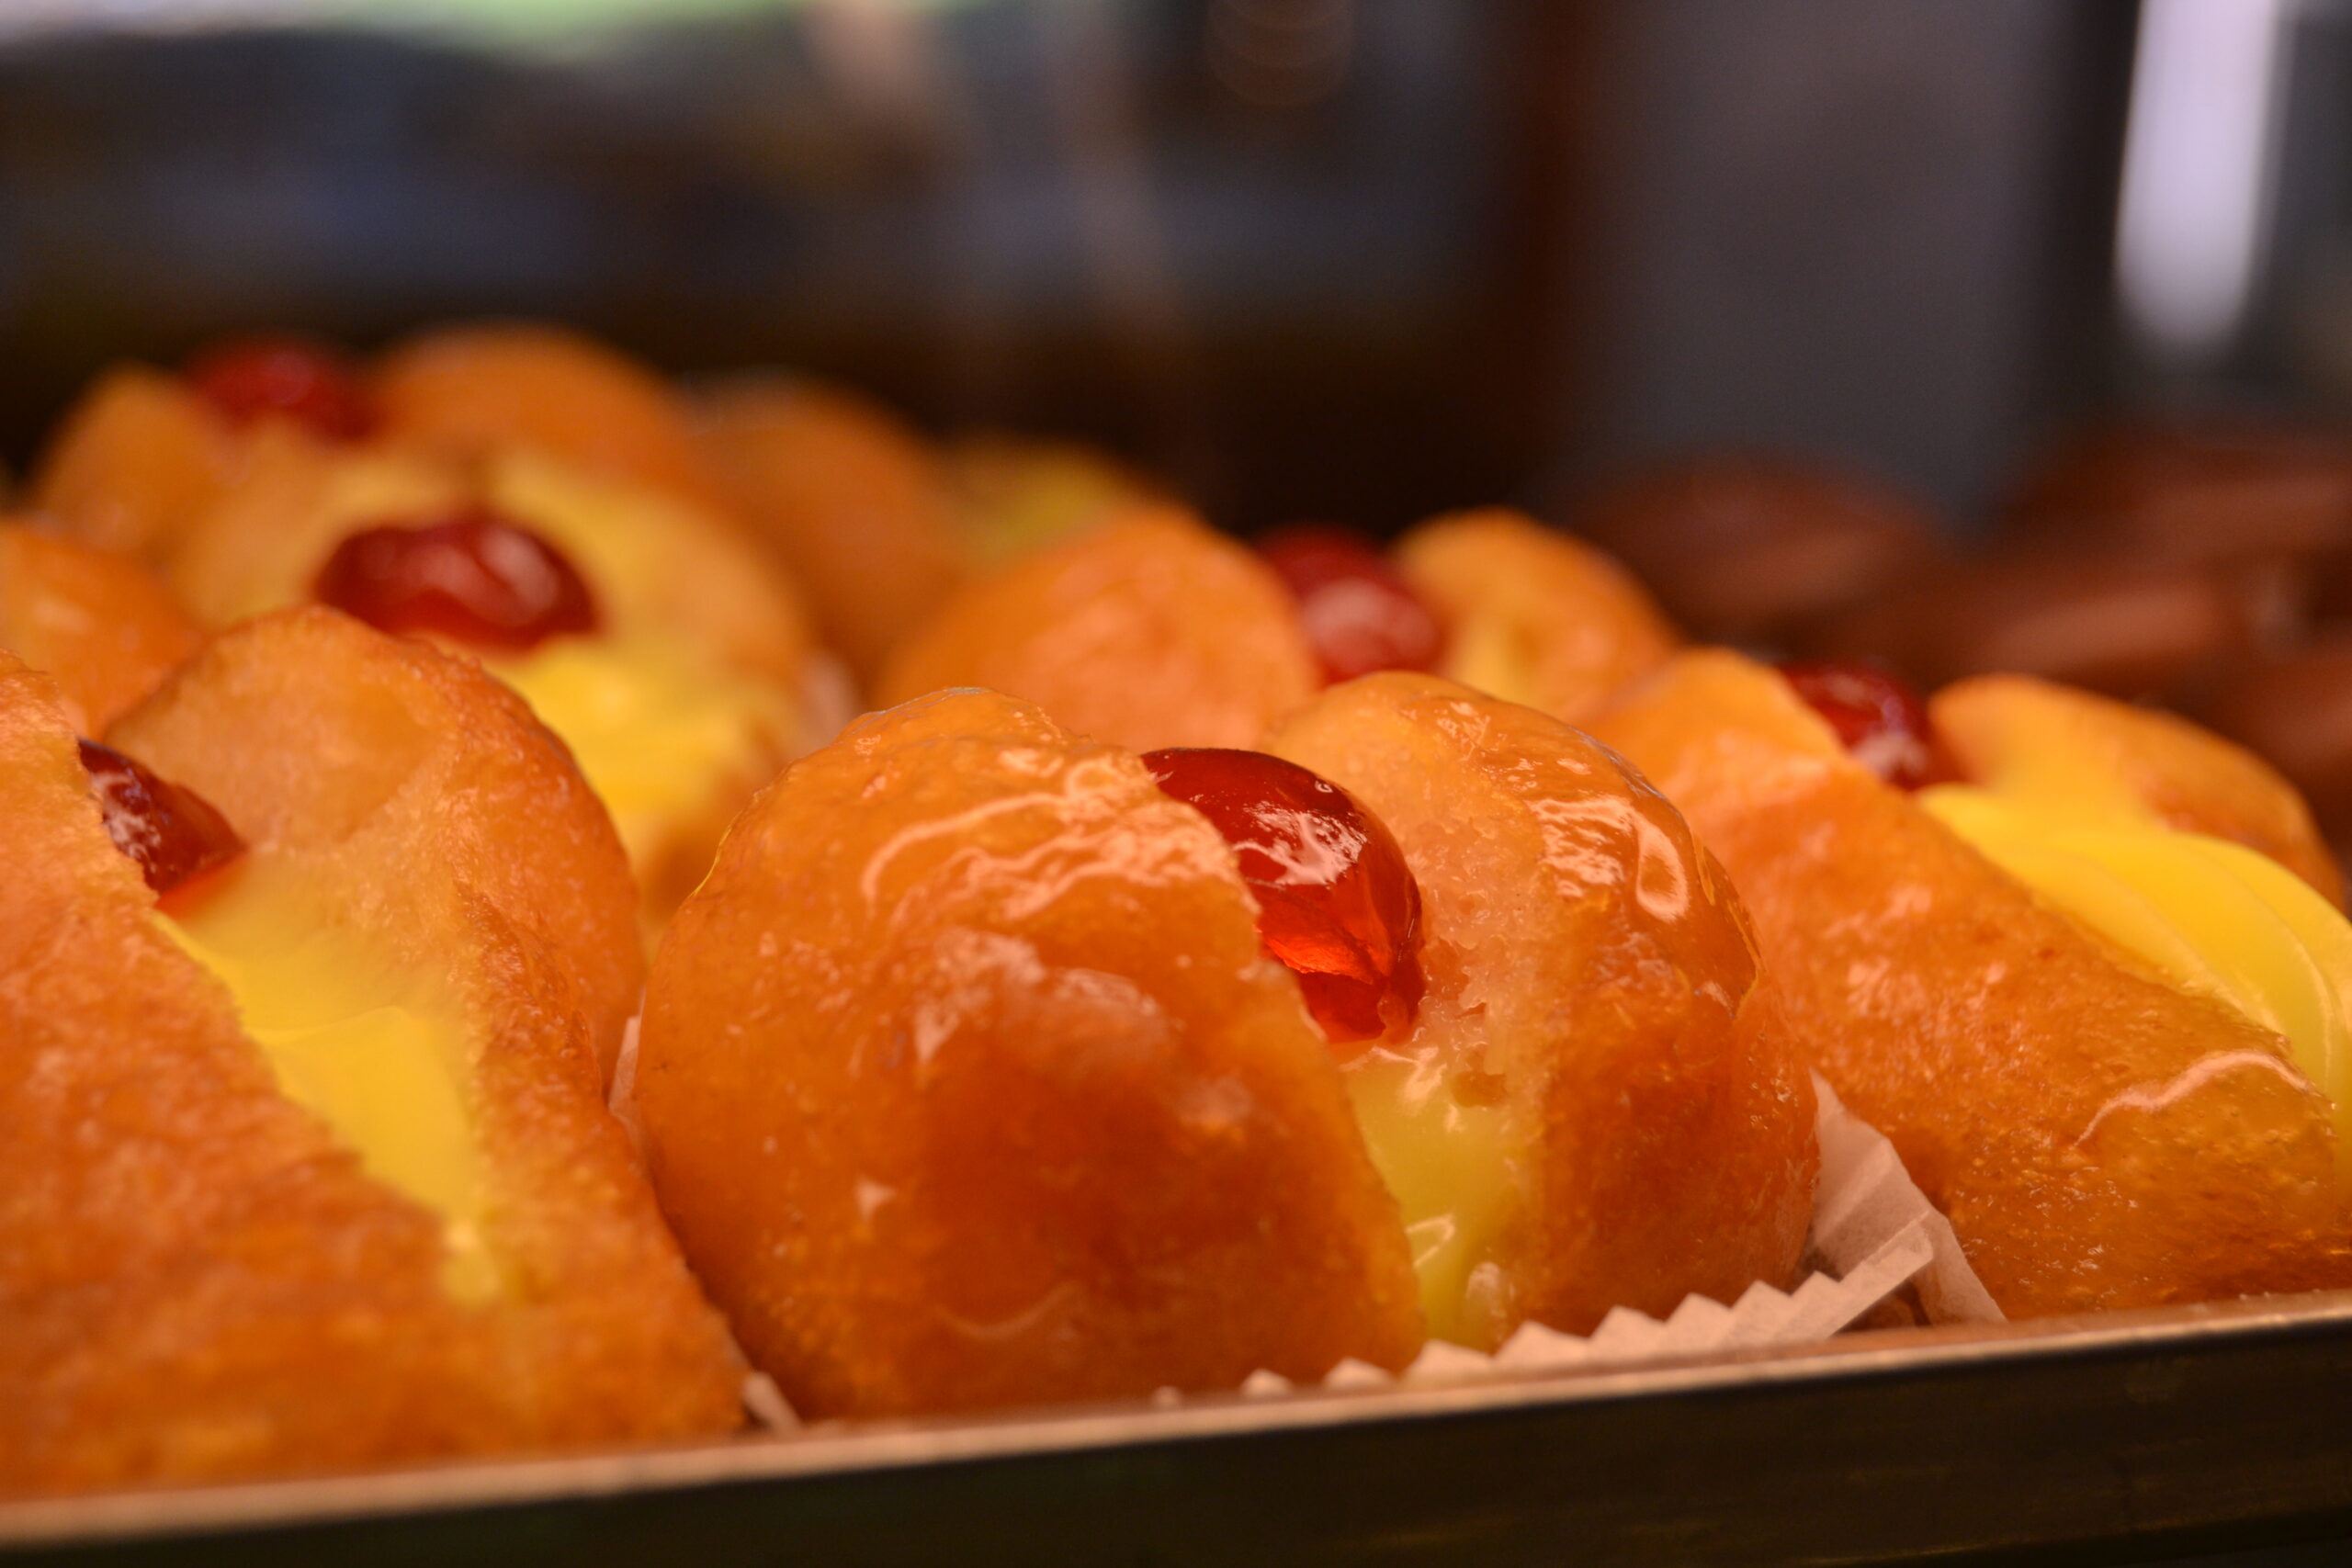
column 765, row 1405
column 1874, row 1207
column 828, row 698
column 621, row 1098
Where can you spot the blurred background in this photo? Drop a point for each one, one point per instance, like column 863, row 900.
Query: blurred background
column 1350, row 258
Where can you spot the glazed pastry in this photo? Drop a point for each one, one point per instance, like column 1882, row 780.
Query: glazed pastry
column 1747, row 549
column 105, row 629
column 482, row 391
column 661, row 644
column 856, row 504
column 965, row 1084
column 995, row 1065
column 1532, row 615
column 2089, row 977
column 1148, row 630
column 144, row 452
column 1492, row 599
column 308, row 1155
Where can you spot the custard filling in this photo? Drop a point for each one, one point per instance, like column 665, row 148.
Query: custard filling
column 1443, row 1162
column 379, row 1056
column 1493, row 653
column 653, row 728
column 2214, row 918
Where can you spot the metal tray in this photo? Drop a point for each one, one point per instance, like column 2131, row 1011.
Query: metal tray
column 2101, row 1437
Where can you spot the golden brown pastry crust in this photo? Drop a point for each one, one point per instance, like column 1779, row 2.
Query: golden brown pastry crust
column 965, row 1082
column 197, row 1279
column 2098, row 1137
column 96, row 622
column 1145, row 631
column 2212, row 492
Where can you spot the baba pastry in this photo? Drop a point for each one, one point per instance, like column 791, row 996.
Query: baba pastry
column 144, row 451
column 2216, row 492
column 482, row 391
column 1531, row 614
column 308, row 1162
column 2294, row 707
column 994, row 1066
column 881, row 525
column 664, row 647
column 2128, row 625
column 2082, row 963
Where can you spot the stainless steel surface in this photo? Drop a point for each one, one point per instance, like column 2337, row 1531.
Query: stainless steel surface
column 2141, row 1435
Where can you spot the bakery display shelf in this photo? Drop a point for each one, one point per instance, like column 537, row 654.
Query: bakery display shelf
column 2111, row 1435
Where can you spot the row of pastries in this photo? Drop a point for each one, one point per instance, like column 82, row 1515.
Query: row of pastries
column 470, row 985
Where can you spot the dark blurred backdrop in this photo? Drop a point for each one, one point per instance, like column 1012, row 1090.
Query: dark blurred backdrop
column 1349, row 258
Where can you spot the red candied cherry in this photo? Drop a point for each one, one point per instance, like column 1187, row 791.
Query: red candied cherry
column 1876, row 715
column 1359, row 615
column 175, row 834
column 473, row 576
column 1337, row 904
column 301, row 380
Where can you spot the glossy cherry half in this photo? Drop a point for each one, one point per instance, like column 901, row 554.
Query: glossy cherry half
column 1359, row 615
column 301, row 380
column 174, row 833
column 1881, row 719
column 1337, row 904
column 473, row 576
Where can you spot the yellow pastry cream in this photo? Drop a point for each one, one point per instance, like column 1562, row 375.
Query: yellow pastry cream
column 2213, row 917
column 1496, row 653
column 656, row 731
column 377, row 1054
column 1444, row 1162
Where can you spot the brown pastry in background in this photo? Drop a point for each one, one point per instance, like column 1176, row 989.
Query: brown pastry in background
column 1744, row 549
column 2189, row 492
column 2087, row 618
column 2295, row 708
